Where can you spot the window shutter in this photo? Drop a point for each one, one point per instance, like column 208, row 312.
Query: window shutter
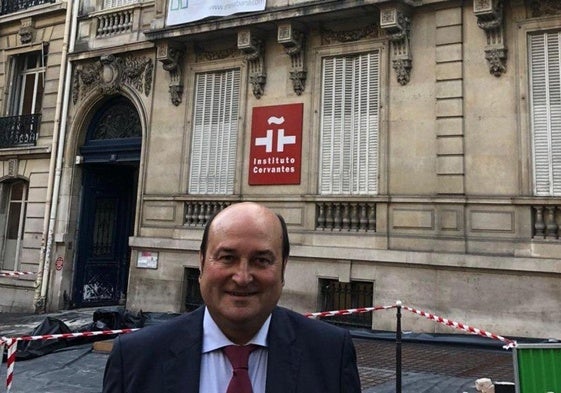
column 349, row 125
column 545, row 83
column 215, row 132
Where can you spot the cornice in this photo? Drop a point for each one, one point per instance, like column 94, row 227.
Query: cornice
column 269, row 16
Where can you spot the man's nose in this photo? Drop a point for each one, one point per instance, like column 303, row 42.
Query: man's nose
column 243, row 275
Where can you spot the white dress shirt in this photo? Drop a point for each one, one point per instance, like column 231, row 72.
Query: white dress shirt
column 216, row 369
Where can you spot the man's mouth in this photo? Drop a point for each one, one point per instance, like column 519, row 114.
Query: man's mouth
column 241, row 294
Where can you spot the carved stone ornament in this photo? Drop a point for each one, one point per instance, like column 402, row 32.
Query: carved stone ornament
column 496, row 59
column 27, row 31
column 13, row 167
column 489, row 15
column 402, row 68
column 219, row 54
column 110, row 74
column 293, row 41
column 252, row 48
column 331, row 36
column 538, row 8
column 397, row 25
column 171, row 57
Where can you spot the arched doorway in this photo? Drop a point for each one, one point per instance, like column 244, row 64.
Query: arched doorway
column 110, row 160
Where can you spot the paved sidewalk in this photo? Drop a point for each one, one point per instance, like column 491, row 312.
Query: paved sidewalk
column 426, row 366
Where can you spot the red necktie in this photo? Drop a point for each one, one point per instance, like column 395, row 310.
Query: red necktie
column 239, row 356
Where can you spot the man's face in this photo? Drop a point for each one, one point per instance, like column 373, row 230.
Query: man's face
column 242, row 272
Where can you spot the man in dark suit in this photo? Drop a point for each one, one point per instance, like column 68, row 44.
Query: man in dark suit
column 243, row 256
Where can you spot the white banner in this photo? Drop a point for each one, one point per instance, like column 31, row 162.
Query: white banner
column 183, row 11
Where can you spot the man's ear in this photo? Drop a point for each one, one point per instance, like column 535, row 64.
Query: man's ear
column 201, row 264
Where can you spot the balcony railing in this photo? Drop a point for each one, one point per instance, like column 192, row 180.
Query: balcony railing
column 19, row 130
column 114, row 23
column 336, row 216
column 10, row 6
column 346, row 216
column 546, row 222
column 197, row 213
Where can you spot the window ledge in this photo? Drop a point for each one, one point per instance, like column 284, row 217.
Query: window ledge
column 25, row 151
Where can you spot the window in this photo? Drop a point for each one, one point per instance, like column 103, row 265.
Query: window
column 336, row 295
column 117, row 3
column 20, row 126
column 13, row 201
column 215, row 133
column 28, row 72
column 193, row 298
column 349, row 124
column 545, row 90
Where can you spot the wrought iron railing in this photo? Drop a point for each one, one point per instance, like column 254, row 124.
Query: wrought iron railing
column 19, row 130
column 10, row 6
column 336, row 295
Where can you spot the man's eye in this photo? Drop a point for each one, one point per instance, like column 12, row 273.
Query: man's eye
column 226, row 258
column 263, row 261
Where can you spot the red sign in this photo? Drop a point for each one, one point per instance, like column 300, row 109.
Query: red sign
column 276, row 145
column 59, row 263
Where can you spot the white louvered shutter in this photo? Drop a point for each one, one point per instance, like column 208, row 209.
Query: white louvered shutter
column 545, row 81
column 349, row 125
column 215, row 133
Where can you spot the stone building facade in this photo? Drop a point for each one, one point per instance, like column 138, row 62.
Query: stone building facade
column 411, row 145
column 33, row 48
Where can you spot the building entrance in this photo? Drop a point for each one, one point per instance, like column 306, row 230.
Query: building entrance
column 110, row 156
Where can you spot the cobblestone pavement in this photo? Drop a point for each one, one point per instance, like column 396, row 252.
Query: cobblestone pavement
column 376, row 360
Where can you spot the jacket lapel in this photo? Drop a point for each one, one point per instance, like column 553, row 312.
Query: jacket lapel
column 182, row 370
column 284, row 358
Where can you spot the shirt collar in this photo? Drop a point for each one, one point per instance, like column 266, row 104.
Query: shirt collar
column 213, row 338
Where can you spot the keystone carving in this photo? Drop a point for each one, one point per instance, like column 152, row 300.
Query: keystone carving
column 489, row 15
column 110, row 74
column 27, row 31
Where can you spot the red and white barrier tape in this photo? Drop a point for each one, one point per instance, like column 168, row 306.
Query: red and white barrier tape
column 346, row 312
column 11, row 346
column 15, row 274
column 458, row 325
column 73, row 335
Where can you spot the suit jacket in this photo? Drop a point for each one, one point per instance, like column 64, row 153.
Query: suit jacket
column 304, row 356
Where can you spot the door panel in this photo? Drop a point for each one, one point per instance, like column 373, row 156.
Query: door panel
column 105, row 226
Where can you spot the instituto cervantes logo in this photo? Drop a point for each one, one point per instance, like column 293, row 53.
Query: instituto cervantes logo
column 276, row 145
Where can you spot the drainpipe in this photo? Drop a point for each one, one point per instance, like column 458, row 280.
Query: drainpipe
column 55, row 164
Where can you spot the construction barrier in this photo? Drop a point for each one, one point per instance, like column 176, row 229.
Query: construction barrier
column 537, row 368
column 11, row 343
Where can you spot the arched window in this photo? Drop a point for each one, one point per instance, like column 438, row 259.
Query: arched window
column 114, row 133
